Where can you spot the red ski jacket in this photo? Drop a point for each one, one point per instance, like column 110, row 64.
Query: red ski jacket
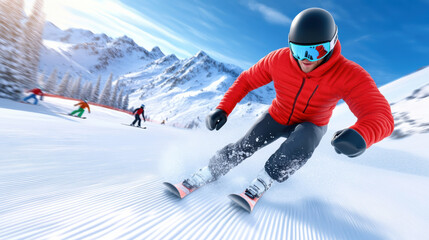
column 36, row 91
column 311, row 97
column 138, row 111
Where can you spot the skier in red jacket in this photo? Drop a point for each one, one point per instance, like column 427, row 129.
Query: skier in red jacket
column 34, row 92
column 137, row 113
column 310, row 77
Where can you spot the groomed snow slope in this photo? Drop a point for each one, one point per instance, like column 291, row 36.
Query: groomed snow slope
column 69, row 178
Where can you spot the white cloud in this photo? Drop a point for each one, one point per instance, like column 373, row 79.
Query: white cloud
column 115, row 19
column 270, row 14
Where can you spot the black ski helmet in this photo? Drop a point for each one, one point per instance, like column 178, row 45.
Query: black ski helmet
column 313, row 26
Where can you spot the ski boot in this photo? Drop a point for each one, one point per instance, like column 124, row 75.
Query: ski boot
column 253, row 192
column 197, row 180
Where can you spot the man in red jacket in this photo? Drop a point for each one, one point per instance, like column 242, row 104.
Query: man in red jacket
column 310, row 77
column 137, row 113
column 34, row 92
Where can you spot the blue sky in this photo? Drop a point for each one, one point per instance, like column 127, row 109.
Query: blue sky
column 388, row 38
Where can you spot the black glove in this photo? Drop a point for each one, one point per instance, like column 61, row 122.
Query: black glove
column 216, row 119
column 348, row 142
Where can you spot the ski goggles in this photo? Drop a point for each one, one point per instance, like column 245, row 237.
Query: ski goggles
column 312, row 52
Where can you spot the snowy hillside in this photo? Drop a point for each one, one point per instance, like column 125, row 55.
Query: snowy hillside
column 411, row 122
column 410, row 111
column 69, row 178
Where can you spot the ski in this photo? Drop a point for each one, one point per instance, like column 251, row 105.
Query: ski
column 178, row 189
column 133, row 126
column 67, row 114
column 77, row 117
column 244, row 201
column 28, row 103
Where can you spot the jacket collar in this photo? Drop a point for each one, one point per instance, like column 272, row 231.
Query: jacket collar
column 322, row 69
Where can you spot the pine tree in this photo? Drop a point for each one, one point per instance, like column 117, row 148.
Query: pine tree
column 70, row 84
column 95, row 95
column 107, row 92
column 125, row 104
column 120, row 99
column 40, row 80
column 11, row 16
column 51, row 84
column 75, row 90
column 8, row 87
column 88, row 94
column 31, row 44
column 114, row 100
column 86, row 91
column 63, row 89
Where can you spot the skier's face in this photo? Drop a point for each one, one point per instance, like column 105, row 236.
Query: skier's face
column 307, row 66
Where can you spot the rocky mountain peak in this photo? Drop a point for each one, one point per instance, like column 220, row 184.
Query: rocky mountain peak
column 125, row 40
column 201, row 54
column 156, row 52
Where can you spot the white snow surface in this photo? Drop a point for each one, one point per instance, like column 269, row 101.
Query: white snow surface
column 68, row 178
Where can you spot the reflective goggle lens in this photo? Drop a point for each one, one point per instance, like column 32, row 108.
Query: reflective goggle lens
column 310, row 52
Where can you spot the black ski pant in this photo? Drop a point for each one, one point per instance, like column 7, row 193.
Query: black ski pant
column 138, row 119
column 302, row 140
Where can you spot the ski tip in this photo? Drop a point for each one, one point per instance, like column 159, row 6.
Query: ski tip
column 243, row 201
column 174, row 190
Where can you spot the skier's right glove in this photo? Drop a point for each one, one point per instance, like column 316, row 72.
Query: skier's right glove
column 348, row 142
column 216, row 119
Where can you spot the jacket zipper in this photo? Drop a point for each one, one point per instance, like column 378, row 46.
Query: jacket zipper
column 308, row 102
column 296, row 98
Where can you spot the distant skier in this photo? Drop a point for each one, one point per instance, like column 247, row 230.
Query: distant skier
column 137, row 113
column 310, row 77
column 82, row 105
column 34, row 92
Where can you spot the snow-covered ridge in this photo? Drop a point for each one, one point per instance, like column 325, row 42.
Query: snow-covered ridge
column 72, row 36
column 83, row 53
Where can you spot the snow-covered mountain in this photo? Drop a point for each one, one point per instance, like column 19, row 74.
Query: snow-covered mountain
column 180, row 91
column 184, row 91
column 84, row 53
